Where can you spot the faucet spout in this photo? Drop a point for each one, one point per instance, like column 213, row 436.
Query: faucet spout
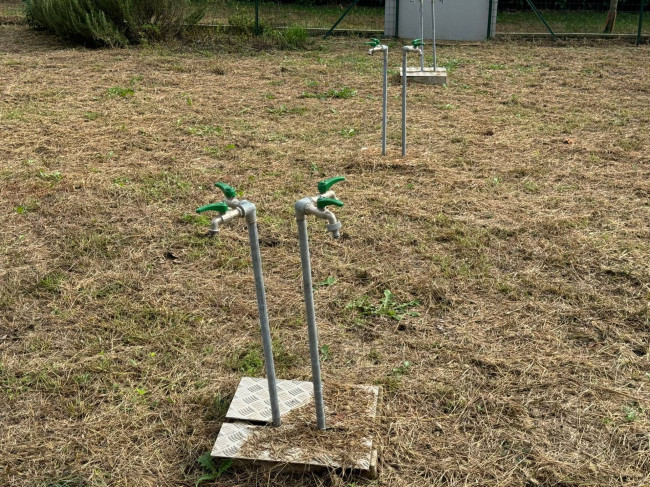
column 333, row 224
column 220, row 220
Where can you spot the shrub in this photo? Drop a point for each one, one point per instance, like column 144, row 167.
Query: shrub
column 113, row 22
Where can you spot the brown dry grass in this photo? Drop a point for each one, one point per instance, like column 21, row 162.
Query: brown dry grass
column 519, row 220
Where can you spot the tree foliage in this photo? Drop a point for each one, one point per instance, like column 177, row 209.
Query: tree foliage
column 113, row 22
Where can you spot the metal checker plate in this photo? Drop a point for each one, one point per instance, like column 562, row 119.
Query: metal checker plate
column 233, row 436
column 251, row 401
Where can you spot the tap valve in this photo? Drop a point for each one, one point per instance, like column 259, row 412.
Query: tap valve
column 322, row 203
column 220, row 207
column 225, row 214
column 325, row 185
column 228, row 191
column 333, row 225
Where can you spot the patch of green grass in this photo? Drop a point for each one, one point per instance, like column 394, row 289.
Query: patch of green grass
column 211, row 470
column 121, row 91
column 198, row 220
column 388, row 307
column 164, row 185
column 249, row 360
column 52, row 282
column 340, row 93
column 91, row 115
column 348, row 132
column 203, row 130
column 284, row 110
column 54, row 176
column 28, row 207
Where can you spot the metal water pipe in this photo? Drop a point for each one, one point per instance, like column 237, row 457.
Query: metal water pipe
column 414, row 47
column 317, row 206
column 229, row 209
column 378, row 46
column 433, row 33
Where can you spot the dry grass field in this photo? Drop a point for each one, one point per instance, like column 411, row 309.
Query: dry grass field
column 516, row 232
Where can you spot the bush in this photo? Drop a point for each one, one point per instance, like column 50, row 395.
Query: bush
column 113, row 22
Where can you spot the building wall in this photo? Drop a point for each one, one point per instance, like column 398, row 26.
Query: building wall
column 461, row 20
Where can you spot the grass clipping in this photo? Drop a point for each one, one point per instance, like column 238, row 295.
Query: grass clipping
column 350, row 413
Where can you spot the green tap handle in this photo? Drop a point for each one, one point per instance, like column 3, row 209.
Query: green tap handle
column 374, row 42
column 326, row 184
column 321, row 202
column 220, row 207
column 417, row 42
column 228, row 191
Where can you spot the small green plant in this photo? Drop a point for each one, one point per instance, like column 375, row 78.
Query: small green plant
column 199, row 220
column 188, row 99
column 327, row 282
column 121, row 91
column 283, row 109
column 202, row 130
column 324, row 353
column 51, row 283
column 348, row 132
column 212, row 471
column 248, row 360
column 54, row 176
column 27, row 207
column 91, row 115
column 342, row 93
column 632, row 411
column 401, row 370
column 387, row 307
column 531, row 187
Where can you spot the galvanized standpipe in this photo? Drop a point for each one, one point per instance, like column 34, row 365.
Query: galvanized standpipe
column 422, row 34
column 406, row 49
column 377, row 46
column 230, row 209
column 433, row 33
column 316, row 206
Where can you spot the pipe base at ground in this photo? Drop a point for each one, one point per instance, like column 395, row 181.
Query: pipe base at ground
column 427, row 76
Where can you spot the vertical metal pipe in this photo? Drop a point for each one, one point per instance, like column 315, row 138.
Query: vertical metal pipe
column 433, row 34
column 489, row 27
column 385, row 104
column 422, row 34
column 264, row 321
column 638, row 34
column 311, row 322
column 257, row 17
column 404, row 103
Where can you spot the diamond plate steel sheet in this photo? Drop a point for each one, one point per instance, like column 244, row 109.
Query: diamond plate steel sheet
column 251, row 401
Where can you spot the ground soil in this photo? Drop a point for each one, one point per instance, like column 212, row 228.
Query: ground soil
column 516, row 230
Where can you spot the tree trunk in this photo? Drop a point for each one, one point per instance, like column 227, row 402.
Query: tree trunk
column 611, row 16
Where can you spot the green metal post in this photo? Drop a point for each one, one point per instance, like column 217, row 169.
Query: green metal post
column 538, row 13
column 638, row 35
column 489, row 29
column 396, row 19
column 340, row 18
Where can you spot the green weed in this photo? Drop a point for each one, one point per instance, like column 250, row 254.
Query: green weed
column 212, row 471
column 52, row 282
column 387, row 307
column 341, row 93
column 121, row 91
column 54, row 176
column 202, row 130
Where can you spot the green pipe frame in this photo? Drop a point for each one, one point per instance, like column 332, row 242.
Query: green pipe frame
column 541, row 17
column 340, row 18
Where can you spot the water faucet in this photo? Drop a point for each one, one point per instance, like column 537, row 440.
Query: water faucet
column 317, row 205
